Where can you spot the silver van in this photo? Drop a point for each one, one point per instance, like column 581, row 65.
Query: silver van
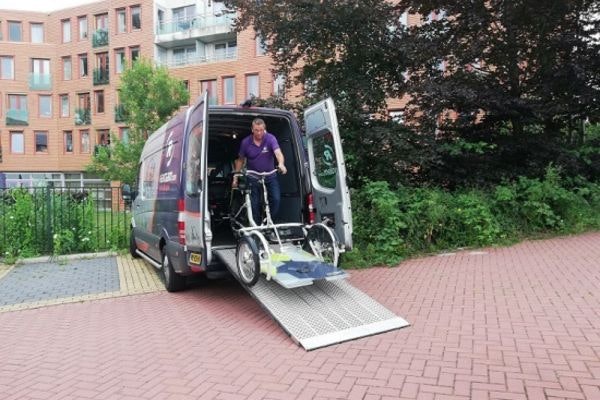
column 181, row 206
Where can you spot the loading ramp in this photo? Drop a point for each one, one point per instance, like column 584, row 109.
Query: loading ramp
column 322, row 314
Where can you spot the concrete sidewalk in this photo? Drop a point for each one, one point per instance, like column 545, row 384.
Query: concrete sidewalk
column 510, row 323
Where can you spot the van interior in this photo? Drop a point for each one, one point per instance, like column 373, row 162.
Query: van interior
column 225, row 131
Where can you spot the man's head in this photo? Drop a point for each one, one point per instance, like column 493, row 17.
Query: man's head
column 258, row 129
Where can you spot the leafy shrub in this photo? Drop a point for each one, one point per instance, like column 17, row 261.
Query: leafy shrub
column 390, row 225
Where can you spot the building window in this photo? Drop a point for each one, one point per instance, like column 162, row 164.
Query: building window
column 136, row 20
column 279, row 85
column 66, row 31
column 184, row 55
column 397, row 116
column 229, row 90
column 252, row 86
column 64, row 105
column 83, row 27
column 119, row 60
column 83, row 65
column 225, row 50
column 84, row 141
column 103, row 137
column 37, row 33
column 124, row 134
column 261, row 46
column 45, row 106
column 7, row 68
column 121, row 20
column 102, row 22
column 67, row 69
column 68, row 141
column 99, row 99
column 134, row 53
column 14, row 31
column 211, row 87
column 41, row 142
column 17, row 143
column 83, row 100
column 17, row 102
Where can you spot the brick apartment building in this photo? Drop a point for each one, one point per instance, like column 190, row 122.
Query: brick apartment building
column 59, row 74
column 60, row 71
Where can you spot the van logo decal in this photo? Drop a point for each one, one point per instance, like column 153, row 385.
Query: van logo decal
column 328, row 155
column 170, row 149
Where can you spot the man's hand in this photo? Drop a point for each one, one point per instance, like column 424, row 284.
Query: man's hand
column 234, row 181
column 282, row 169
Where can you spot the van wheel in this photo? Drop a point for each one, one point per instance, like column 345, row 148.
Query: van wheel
column 132, row 245
column 173, row 281
column 248, row 261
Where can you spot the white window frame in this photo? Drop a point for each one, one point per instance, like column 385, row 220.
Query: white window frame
column 229, row 92
column 35, row 33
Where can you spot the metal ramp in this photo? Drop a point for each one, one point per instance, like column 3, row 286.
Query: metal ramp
column 322, row 314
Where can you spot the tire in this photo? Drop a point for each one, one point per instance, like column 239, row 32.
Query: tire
column 248, row 261
column 321, row 241
column 173, row 281
column 132, row 245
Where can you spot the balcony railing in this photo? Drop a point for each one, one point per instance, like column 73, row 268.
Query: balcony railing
column 120, row 113
column 17, row 117
column 192, row 59
column 101, row 76
column 100, row 38
column 197, row 22
column 83, row 116
column 40, row 82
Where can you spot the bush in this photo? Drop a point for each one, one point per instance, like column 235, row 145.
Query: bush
column 390, row 225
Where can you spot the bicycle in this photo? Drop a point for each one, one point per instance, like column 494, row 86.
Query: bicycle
column 254, row 253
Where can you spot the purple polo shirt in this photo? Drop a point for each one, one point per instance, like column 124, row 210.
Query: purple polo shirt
column 259, row 158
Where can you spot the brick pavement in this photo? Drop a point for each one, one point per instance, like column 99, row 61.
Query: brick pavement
column 509, row 323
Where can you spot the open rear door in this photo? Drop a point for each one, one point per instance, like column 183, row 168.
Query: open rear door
column 328, row 170
column 198, row 235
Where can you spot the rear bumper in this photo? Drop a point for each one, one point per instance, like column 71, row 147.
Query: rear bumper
column 180, row 260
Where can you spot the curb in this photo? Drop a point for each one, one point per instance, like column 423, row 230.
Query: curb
column 53, row 258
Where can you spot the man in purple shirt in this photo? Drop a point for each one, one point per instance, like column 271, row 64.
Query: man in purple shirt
column 259, row 152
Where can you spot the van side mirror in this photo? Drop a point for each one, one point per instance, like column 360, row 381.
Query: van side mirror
column 127, row 194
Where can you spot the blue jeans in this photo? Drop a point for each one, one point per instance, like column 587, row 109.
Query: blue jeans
column 256, row 196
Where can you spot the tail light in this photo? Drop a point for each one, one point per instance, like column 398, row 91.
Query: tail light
column 312, row 216
column 181, row 221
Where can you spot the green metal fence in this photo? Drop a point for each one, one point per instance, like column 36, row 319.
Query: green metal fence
column 62, row 220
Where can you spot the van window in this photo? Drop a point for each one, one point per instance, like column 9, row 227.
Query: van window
column 192, row 169
column 325, row 162
column 149, row 177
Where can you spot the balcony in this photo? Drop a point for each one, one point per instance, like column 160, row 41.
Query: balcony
column 120, row 113
column 101, row 76
column 186, row 30
column 16, row 117
column 192, row 59
column 40, row 82
column 100, row 38
column 83, row 116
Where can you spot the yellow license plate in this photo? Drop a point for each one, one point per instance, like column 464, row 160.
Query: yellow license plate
column 195, row 258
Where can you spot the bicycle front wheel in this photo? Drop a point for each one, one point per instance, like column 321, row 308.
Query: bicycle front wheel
column 248, row 261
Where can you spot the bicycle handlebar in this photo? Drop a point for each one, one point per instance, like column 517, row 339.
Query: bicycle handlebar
column 260, row 174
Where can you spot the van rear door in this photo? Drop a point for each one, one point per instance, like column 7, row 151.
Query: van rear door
column 328, row 170
column 196, row 217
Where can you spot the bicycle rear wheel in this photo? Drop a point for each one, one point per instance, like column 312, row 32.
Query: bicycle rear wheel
column 321, row 241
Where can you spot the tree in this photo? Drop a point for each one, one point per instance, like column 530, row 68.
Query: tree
column 339, row 48
column 504, row 66
column 149, row 96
